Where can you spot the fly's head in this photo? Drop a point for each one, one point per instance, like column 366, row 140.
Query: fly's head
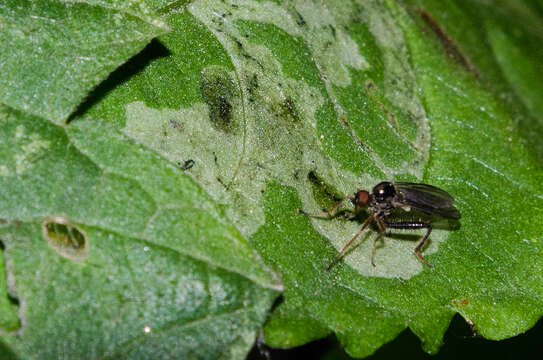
column 361, row 199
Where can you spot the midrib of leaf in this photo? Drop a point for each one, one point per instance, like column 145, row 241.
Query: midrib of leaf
column 149, row 241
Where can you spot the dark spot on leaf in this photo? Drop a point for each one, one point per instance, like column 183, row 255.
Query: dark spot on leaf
column 239, row 44
column 343, row 120
column 65, row 238
column 448, row 44
column 324, row 194
column 288, row 110
column 392, row 119
column 222, row 182
column 218, row 92
column 252, row 84
column 11, row 296
column 333, row 30
column 300, row 20
column 177, row 125
column 187, row 164
column 460, row 303
column 369, row 85
column 14, row 300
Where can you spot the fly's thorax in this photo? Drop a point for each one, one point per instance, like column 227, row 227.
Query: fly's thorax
column 384, row 192
column 380, row 207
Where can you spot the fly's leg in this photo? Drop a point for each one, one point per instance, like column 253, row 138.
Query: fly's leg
column 421, row 243
column 414, row 225
column 382, row 228
column 340, row 254
column 326, row 214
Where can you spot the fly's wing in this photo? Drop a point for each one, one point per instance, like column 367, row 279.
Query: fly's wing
column 428, row 199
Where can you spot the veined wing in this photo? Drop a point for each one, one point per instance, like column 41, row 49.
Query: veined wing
column 428, row 199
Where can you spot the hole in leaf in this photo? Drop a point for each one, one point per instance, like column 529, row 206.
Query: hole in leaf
column 65, row 238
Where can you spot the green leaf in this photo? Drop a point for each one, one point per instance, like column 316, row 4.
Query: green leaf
column 119, row 253
column 305, row 126
column 488, row 270
column 111, row 251
column 499, row 42
column 54, row 52
column 8, row 312
column 244, row 113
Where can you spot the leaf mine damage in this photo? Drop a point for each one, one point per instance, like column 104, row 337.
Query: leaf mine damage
column 218, row 92
column 273, row 119
column 65, row 238
column 325, row 194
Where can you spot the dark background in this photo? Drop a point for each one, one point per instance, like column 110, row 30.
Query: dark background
column 459, row 343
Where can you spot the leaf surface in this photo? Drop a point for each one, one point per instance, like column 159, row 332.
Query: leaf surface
column 54, row 52
column 112, row 251
column 266, row 108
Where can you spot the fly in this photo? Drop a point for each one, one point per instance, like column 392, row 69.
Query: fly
column 387, row 196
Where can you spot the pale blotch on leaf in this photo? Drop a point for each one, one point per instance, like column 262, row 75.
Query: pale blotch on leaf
column 259, row 124
column 331, row 44
column 65, row 238
column 333, row 47
column 32, row 147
